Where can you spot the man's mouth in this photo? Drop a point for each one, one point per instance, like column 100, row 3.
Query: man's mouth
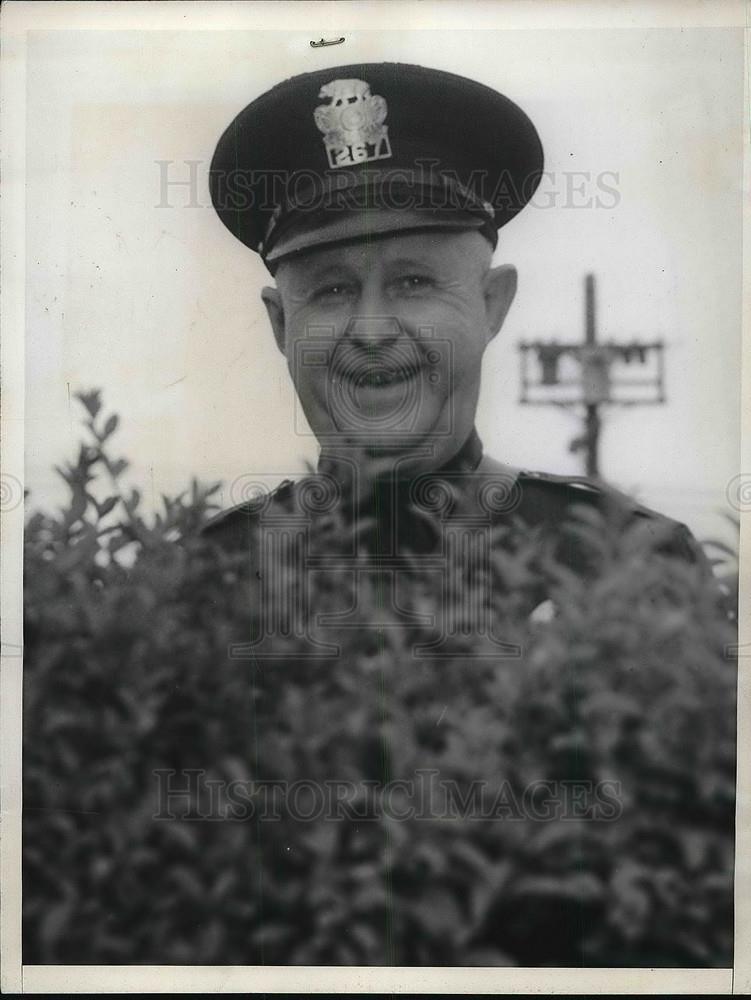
column 379, row 377
column 376, row 373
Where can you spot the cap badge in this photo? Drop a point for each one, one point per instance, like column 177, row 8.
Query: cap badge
column 352, row 123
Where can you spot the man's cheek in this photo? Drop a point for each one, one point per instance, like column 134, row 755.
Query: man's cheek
column 310, row 377
column 455, row 382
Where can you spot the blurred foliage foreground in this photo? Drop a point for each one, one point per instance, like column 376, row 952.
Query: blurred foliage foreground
column 629, row 687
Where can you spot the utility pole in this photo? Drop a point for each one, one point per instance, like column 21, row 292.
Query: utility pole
column 592, row 418
column 594, row 379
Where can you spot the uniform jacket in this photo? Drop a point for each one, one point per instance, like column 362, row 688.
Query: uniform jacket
column 443, row 524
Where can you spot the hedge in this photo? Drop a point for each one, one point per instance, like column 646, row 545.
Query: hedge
column 624, row 701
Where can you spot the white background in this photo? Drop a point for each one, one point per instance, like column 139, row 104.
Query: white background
column 159, row 306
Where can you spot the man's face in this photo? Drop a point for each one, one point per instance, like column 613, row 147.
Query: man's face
column 384, row 339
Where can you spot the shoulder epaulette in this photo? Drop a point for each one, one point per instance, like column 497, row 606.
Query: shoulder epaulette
column 593, row 487
column 577, row 482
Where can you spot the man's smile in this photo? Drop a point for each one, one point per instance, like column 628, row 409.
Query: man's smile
column 381, row 369
column 377, row 375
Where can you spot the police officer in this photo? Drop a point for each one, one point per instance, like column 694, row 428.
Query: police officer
column 374, row 194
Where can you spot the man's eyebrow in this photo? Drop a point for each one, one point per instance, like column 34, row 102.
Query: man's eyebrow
column 322, row 271
column 414, row 261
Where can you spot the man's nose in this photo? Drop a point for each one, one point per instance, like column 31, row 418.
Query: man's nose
column 373, row 330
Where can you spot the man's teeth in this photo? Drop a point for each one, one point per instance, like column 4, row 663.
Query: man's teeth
column 375, row 377
column 383, row 377
column 379, row 378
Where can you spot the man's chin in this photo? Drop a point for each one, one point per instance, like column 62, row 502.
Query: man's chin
column 393, row 442
column 422, row 443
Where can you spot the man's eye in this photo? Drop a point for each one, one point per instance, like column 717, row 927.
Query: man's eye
column 414, row 282
column 333, row 291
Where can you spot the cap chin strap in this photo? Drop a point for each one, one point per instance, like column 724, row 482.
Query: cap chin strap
column 435, row 192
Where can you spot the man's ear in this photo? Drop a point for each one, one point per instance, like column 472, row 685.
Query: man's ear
column 273, row 302
column 499, row 289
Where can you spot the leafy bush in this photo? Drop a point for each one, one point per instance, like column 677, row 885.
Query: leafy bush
column 628, row 691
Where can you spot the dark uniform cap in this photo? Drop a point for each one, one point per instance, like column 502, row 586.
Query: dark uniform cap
column 355, row 151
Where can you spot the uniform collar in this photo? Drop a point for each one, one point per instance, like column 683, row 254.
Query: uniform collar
column 383, row 512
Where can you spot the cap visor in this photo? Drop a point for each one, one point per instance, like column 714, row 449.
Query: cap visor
column 363, row 225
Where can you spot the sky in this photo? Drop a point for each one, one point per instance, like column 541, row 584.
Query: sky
column 151, row 300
